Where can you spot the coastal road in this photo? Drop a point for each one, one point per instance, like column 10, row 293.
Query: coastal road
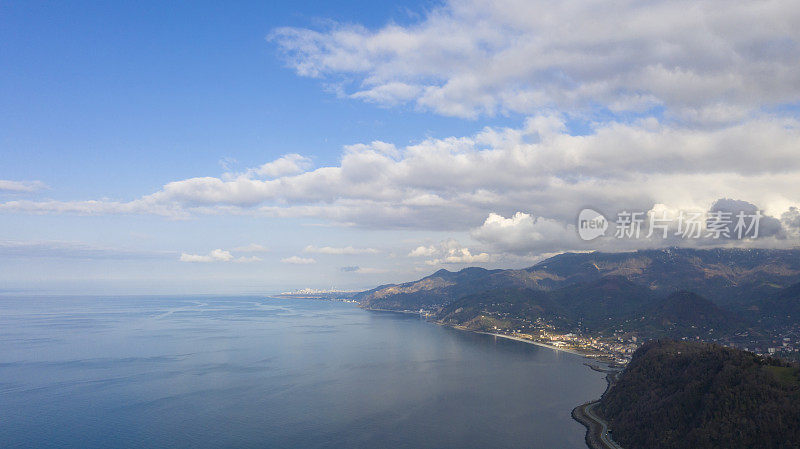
column 604, row 436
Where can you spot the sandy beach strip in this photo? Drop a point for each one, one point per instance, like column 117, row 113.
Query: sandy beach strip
column 544, row 345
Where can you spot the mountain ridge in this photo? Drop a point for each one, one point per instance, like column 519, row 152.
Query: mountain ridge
column 739, row 297
column 728, row 277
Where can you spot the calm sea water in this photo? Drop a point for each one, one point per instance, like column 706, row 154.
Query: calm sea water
column 256, row 372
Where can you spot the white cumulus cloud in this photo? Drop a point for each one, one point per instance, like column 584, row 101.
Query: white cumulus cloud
column 217, row 255
column 290, row 164
column 448, row 251
column 296, row 260
column 363, row 270
column 20, row 186
column 524, row 234
column 252, row 248
column 346, row 250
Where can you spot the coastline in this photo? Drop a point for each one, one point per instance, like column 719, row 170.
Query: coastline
column 510, row 337
column 407, row 312
column 597, row 433
column 544, row 345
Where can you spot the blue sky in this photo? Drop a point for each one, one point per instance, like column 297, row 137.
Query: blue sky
column 169, row 91
column 487, row 108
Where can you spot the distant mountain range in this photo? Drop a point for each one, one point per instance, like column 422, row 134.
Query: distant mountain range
column 673, row 292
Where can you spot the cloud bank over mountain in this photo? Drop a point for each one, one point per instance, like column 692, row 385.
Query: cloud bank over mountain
column 540, row 169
